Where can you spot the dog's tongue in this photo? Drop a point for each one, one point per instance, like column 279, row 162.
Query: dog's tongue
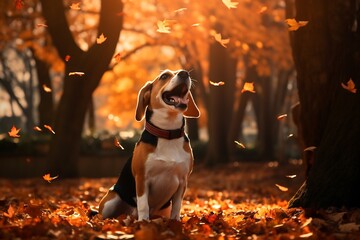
column 178, row 100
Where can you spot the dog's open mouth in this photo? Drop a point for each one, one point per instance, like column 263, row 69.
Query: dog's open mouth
column 177, row 96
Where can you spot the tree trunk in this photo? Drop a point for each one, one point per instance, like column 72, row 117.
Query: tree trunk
column 77, row 92
column 326, row 54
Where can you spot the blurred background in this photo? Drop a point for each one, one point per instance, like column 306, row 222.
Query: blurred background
column 70, row 72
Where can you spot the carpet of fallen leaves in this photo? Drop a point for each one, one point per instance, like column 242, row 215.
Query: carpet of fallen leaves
column 237, row 201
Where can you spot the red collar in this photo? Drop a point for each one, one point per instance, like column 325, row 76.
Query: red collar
column 162, row 133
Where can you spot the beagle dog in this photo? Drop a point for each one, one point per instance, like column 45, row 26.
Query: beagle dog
column 154, row 179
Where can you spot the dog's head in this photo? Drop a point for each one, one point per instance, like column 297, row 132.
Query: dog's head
column 171, row 91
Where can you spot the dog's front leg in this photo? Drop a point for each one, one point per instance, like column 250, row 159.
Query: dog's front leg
column 142, row 200
column 177, row 201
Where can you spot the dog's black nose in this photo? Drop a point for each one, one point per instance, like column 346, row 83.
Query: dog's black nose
column 183, row 74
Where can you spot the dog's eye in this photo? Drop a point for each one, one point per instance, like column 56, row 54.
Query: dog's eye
column 164, row 76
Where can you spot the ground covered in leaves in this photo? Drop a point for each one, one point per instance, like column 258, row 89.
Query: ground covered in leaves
column 237, row 201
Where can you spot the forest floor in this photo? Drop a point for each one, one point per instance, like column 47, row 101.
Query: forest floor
column 236, row 201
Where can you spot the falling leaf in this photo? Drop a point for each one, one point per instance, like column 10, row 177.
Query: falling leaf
column 46, row 88
column 295, row 25
column 248, row 87
column 291, row 176
column 350, row 86
column 19, row 4
column 41, row 25
column 163, row 27
column 75, row 6
column 312, row 148
column 195, row 25
column 217, row 83
column 306, row 235
column 282, row 116
column 263, row 9
column 47, row 177
column 76, row 73
column 67, row 58
column 307, row 222
column 278, row 225
column 101, row 39
column 117, row 57
column 180, row 10
column 239, row 144
column 229, row 4
column 117, row 144
column 219, row 39
column 290, row 135
column 14, row 132
column 10, row 212
column 38, row 129
column 282, row 188
column 49, row 128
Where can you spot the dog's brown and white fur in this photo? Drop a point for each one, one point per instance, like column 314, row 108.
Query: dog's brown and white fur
column 154, row 179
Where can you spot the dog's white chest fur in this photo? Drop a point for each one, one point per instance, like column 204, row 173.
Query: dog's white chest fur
column 166, row 170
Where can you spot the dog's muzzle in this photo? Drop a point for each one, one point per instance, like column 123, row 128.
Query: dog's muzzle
column 178, row 96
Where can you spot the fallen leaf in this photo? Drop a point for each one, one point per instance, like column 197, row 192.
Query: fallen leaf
column 163, row 27
column 76, row 73
column 307, row 222
column 239, row 144
column 49, row 128
column 282, row 116
column 282, row 188
column 306, row 235
column 350, row 86
column 46, row 88
column 180, row 10
column 336, row 217
column 117, row 57
column 229, row 4
column 67, row 58
column 248, row 87
column 295, row 25
column 349, row 227
column 14, row 132
column 291, row 176
column 75, row 6
column 36, row 128
column 263, row 9
column 217, row 83
column 312, row 148
column 47, row 177
column 41, row 25
column 10, row 212
column 101, row 39
column 117, row 144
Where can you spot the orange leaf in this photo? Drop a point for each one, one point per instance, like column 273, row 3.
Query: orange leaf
column 36, row 128
column 195, row 25
column 76, row 73
column 282, row 188
column 41, row 25
column 295, row 25
column 239, row 144
column 282, row 116
column 47, row 177
column 117, row 144
column 46, row 88
column 248, row 87
column 19, row 4
column 14, row 132
column 180, row 10
column 117, row 57
column 10, row 212
column 75, row 6
column 163, row 27
column 229, row 4
column 219, row 38
column 101, row 39
column 67, row 58
column 291, row 176
column 263, row 9
column 350, row 86
column 216, row 84
column 49, row 128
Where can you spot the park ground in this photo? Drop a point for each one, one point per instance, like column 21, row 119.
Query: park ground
column 241, row 200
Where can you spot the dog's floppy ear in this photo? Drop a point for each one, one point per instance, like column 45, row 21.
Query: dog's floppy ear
column 143, row 101
column 192, row 111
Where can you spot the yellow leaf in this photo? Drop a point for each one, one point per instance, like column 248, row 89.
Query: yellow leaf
column 307, row 222
column 263, row 9
column 14, row 132
column 163, row 27
column 101, row 39
column 306, row 235
column 76, row 73
column 47, row 177
column 49, row 128
column 239, row 144
column 350, row 86
column 216, row 84
column 180, row 10
column 10, row 212
column 75, row 6
column 291, row 176
column 248, row 87
column 195, row 25
column 295, row 25
column 282, row 188
column 219, row 38
column 46, row 88
column 229, row 4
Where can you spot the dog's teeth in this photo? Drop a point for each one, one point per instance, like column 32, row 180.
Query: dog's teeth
column 172, row 100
